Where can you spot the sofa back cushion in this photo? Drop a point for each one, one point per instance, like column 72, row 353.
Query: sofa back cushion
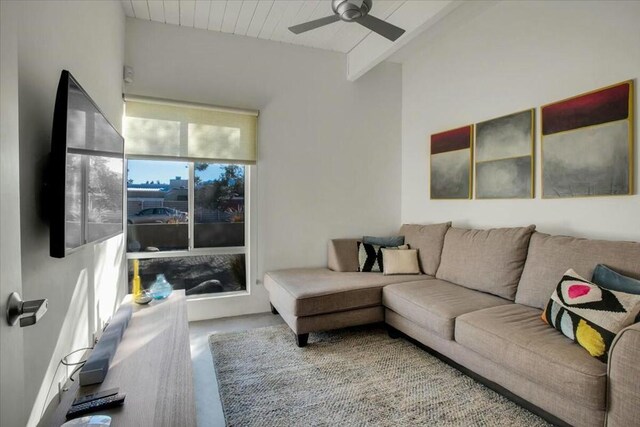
column 486, row 260
column 428, row 240
column 550, row 256
column 342, row 255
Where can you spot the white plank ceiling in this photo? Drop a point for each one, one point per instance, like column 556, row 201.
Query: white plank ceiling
column 264, row 19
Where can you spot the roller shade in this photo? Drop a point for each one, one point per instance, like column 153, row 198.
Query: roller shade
column 160, row 128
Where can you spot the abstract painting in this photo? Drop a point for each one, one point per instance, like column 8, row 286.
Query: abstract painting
column 587, row 144
column 451, row 157
column 504, row 157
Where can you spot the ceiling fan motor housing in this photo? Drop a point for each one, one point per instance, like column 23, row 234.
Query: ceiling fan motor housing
column 347, row 11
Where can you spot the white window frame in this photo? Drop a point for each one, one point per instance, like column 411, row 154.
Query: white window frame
column 249, row 236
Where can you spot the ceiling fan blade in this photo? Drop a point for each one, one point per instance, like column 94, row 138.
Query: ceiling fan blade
column 301, row 28
column 381, row 27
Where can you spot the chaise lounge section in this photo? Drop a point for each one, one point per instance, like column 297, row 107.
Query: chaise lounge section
column 312, row 300
column 478, row 305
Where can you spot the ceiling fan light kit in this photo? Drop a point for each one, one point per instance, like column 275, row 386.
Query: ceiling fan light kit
column 352, row 11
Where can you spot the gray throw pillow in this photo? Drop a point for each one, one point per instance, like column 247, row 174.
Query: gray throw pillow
column 384, row 241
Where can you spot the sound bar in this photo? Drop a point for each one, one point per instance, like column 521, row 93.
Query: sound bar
column 95, row 369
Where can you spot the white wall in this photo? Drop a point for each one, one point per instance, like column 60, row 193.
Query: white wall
column 504, row 58
column 86, row 38
column 329, row 149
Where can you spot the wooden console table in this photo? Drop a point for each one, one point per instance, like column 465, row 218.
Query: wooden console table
column 152, row 366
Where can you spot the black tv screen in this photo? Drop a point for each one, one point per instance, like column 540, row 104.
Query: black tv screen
column 85, row 200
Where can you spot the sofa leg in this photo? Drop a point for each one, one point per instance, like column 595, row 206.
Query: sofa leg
column 273, row 309
column 393, row 332
column 301, row 340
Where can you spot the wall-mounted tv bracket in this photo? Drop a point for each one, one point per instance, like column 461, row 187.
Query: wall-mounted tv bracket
column 29, row 312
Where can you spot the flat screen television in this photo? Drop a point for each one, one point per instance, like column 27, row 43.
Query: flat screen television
column 85, row 186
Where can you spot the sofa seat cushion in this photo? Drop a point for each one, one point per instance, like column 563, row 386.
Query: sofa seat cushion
column 311, row 291
column 513, row 336
column 435, row 304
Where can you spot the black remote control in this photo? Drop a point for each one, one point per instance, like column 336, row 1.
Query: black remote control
column 96, row 405
column 94, row 396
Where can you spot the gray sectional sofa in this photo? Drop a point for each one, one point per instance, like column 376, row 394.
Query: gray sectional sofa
column 478, row 305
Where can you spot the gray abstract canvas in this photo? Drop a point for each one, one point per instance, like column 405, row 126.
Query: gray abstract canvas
column 586, row 162
column 508, row 136
column 504, row 151
column 450, row 174
column 506, row 178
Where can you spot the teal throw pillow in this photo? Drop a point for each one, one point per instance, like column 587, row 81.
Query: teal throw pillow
column 614, row 281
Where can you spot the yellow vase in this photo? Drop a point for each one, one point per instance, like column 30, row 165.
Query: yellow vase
column 136, row 288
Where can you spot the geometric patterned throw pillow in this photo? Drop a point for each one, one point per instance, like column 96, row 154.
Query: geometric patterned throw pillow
column 589, row 314
column 370, row 257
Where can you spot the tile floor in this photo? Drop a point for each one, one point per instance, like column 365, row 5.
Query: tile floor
column 208, row 406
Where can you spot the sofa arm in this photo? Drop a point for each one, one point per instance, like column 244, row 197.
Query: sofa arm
column 623, row 389
column 342, row 255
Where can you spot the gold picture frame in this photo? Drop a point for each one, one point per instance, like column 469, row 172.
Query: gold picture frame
column 578, row 125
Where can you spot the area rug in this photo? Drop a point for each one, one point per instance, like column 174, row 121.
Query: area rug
column 351, row 377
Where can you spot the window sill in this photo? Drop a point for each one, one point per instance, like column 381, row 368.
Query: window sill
column 231, row 250
column 221, row 295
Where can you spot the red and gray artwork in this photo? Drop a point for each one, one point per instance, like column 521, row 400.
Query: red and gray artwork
column 451, row 164
column 587, row 144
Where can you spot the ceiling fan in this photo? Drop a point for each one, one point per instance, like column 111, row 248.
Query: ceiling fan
column 352, row 11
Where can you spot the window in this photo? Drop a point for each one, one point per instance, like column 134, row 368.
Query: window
column 187, row 170
column 199, row 274
column 219, row 205
column 157, row 220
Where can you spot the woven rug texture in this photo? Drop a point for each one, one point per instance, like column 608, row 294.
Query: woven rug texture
column 351, row 377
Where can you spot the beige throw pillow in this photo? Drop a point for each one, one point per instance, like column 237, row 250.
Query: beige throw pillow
column 400, row 261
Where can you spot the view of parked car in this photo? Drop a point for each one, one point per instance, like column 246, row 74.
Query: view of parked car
column 158, row 216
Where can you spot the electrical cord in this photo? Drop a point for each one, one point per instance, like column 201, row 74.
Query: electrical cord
column 63, row 362
column 76, row 370
column 64, row 359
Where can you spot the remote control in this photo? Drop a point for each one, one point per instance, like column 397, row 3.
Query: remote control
column 96, row 405
column 93, row 396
